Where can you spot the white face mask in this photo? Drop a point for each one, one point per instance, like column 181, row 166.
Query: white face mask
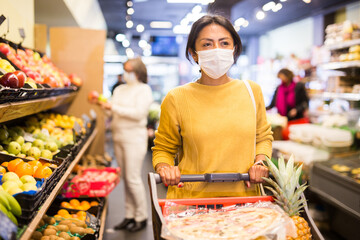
column 130, row 77
column 216, row 62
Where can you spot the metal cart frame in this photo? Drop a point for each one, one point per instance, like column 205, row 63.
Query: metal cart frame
column 158, row 204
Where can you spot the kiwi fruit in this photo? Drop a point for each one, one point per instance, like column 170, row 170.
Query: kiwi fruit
column 62, row 228
column 41, row 223
column 45, row 238
column 74, row 238
column 49, row 232
column 64, row 235
column 89, row 231
column 36, row 235
column 80, row 224
column 53, row 237
column 52, row 227
column 77, row 230
column 60, row 238
column 65, row 222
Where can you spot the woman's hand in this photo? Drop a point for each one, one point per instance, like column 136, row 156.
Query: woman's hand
column 170, row 175
column 258, row 171
column 292, row 112
column 105, row 105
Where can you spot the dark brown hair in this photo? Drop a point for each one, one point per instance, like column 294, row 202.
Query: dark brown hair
column 139, row 69
column 212, row 19
column 287, row 73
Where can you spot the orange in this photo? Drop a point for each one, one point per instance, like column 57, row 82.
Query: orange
column 63, row 212
column 13, row 163
column 35, row 163
column 24, row 168
column 5, row 164
column 65, row 205
column 42, row 172
column 94, row 203
column 85, row 205
column 81, row 213
column 2, row 170
column 74, row 202
column 82, row 218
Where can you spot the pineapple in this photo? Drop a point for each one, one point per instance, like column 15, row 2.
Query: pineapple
column 286, row 195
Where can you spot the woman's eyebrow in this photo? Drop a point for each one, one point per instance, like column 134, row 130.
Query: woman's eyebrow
column 210, row 39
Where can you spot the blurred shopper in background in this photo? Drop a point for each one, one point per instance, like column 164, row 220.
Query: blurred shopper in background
column 213, row 124
column 290, row 98
column 119, row 82
column 130, row 107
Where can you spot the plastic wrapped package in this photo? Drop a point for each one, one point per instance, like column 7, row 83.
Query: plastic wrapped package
column 261, row 220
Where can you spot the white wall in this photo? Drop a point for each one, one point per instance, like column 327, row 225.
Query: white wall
column 294, row 38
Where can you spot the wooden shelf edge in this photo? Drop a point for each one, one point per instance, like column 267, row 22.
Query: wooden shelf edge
column 14, row 110
column 34, row 223
column 344, row 44
column 103, row 220
column 340, row 65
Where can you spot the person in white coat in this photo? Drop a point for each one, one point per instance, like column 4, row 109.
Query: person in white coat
column 130, row 107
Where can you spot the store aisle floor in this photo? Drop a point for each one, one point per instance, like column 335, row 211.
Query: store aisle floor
column 116, row 210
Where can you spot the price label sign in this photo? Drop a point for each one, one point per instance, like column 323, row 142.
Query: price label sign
column 93, row 114
column 22, row 33
column 91, row 221
column 8, row 228
column 77, row 128
column 28, row 137
column 86, row 119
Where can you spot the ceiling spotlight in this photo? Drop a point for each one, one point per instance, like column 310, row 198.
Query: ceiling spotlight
column 142, row 43
column 268, row 6
column 129, row 3
column 307, row 1
column 260, row 15
column 130, row 11
column 283, row 0
column 126, row 43
column 237, row 28
column 147, row 53
column 160, row 24
column 182, row 29
column 277, row 7
column 120, row 37
column 196, row 9
column 246, row 23
column 140, row 28
column 239, row 21
column 129, row 24
column 203, row 2
column 129, row 53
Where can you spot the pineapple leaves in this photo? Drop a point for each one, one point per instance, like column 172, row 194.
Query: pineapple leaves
column 274, row 170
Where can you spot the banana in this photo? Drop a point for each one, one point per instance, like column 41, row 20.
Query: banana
column 8, row 214
column 4, row 201
column 3, row 209
column 14, row 205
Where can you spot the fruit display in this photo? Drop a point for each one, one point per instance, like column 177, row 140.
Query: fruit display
column 38, row 68
column 287, row 194
column 13, row 184
column 95, row 97
column 60, row 228
column 9, row 206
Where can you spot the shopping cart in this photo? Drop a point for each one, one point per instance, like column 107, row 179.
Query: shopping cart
column 158, row 205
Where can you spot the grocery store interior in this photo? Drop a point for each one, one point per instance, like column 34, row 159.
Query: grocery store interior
column 65, row 143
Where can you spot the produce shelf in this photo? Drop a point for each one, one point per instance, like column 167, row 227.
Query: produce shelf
column 34, row 223
column 10, row 111
column 340, row 65
column 342, row 45
column 330, row 95
column 103, row 219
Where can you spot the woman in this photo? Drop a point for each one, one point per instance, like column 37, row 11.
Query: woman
column 212, row 122
column 130, row 107
column 290, row 98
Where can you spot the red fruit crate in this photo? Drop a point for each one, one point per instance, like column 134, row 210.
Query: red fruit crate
column 92, row 182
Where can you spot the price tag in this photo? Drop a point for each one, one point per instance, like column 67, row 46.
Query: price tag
column 28, row 137
column 77, row 128
column 91, row 221
column 8, row 228
column 2, row 19
column 46, row 132
column 93, row 114
column 86, row 119
column 22, row 33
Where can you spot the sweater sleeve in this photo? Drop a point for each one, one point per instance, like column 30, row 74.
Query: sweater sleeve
column 141, row 108
column 264, row 135
column 167, row 137
column 302, row 99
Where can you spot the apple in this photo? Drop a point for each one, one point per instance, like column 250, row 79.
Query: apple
column 46, row 154
column 9, row 80
column 10, row 176
column 28, row 179
column 52, row 146
column 38, row 143
column 93, row 96
column 102, row 98
column 31, row 82
column 14, row 148
column 19, row 130
column 75, row 79
column 34, row 152
column 21, row 77
column 26, row 147
column 20, row 140
column 14, row 191
column 29, row 186
column 9, row 184
column 51, row 81
column 4, row 48
column 4, row 134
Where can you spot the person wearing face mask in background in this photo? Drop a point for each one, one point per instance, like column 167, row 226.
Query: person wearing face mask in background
column 129, row 107
column 214, row 125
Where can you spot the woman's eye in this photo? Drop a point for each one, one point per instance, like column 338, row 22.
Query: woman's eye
column 225, row 43
column 206, row 44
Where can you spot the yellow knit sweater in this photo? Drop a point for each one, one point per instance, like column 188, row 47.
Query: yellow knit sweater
column 214, row 127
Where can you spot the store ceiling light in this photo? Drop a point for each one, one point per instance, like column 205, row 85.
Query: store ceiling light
column 239, row 22
column 120, row 37
column 130, row 11
column 283, row 0
column 160, row 24
column 181, row 29
column 126, row 43
column 268, row 6
column 237, row 28
column 260, row 15
column 140, row 28
column 129, row 24
column 277, row 7
column 129, row 3
column 203, row 2
column 147, row 53
column 142, row 43
column 196, row 9
column 129, row 53
column 307, row 1
column 246, row 23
